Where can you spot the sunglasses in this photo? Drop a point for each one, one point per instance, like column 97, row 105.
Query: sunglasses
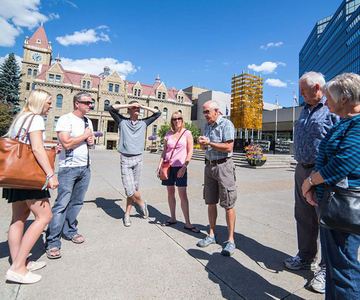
column 88, row 103
column 206, row 112
column 177, row 119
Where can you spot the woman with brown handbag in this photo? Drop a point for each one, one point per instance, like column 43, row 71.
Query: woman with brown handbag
column 178, row 149
column 25, row 201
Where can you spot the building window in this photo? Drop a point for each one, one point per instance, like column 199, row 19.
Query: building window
column 117, row 102
column 155, row 107
column 165, row 111
column 116, row 88
column 59, row 100
column 154, row 130
column 28, row 86
column 93, row 104
column 88, row 85
column 135, row 92
column 180, row 111
column 142, row 112
column 29, row 72
column 110, row 87
column 159, row 95
column 58, row 78
column 139, row 92
column 163, row 95
column 35, row 73
column 84, row 84
column 111, row 126
column 33, row 86
column 51, row 78
column 106, row 104
column 56, row 119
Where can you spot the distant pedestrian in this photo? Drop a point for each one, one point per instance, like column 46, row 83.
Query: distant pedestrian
column 131, row 147
column 314, row 123
column 219, row 182
column 179, row 146
column 75, row 133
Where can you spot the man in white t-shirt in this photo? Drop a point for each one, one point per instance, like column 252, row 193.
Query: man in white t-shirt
column 75, row 133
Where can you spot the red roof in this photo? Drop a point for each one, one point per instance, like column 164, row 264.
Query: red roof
column 41, row 36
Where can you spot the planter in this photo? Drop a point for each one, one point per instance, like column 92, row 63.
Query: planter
column 253, row 162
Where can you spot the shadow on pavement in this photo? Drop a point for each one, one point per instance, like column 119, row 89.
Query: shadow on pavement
column 108, row 206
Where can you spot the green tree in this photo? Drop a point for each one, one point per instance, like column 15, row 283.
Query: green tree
column 10, row 79
column 6, row 117
column 166, row 127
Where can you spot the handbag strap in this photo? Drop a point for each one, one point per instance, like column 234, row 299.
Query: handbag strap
column 176, row 144
column 27, row 129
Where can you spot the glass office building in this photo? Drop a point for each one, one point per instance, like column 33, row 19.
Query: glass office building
column 333, row 46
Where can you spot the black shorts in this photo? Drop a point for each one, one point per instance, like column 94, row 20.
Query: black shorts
column 173, row 179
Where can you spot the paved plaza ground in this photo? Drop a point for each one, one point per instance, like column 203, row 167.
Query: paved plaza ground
column 149, row 261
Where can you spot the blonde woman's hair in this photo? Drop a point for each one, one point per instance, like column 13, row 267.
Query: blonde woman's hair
column 34, row 104
column 176, row 114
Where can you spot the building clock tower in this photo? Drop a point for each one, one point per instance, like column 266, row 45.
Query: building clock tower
column 37, row 52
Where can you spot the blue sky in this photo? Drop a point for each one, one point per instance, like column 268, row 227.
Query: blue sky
column 187, row 42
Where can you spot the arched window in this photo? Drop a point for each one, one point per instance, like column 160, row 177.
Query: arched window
column 84, row 84
column 117, row 102
column 135, row 92
column 88, row 85
column 106, row 104
column 35, row 73
column 180, row 111
column 29, row 72
column 59, row 100
column 155, row 107
column 165, row 112
column 139, row 92
column 93, row 104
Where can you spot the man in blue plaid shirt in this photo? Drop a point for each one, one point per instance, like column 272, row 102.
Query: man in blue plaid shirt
column 220, row 181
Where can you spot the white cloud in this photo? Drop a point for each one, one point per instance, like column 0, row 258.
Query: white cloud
column 18, row 59
column 53, row 16
column 15, row 14
column 71, row 3
column 266, row 67
column 271, row 45
column 83, row 37
column 226, row 63
column 275, row 82
column 96, row 66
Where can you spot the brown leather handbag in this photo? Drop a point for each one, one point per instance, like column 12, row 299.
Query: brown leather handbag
column 19, row 168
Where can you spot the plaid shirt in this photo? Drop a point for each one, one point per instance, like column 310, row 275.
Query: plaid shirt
column 221, row 131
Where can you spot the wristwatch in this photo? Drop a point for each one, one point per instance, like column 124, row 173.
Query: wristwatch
column 310, row 180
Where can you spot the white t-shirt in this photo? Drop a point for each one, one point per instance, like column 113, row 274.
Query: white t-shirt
column 36, row 124
column 78, row 156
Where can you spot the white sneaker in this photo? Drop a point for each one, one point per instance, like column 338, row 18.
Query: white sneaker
column 127, row 221
column 144, row 211
column 319, row 280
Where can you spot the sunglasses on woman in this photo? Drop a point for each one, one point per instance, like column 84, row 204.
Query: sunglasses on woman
column 177, row 119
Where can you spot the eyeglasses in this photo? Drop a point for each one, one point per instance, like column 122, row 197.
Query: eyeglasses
column 88, row 103
column 206, row 112
column 177, row 119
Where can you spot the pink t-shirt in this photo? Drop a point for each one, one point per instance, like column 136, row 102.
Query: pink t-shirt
column 180, row 153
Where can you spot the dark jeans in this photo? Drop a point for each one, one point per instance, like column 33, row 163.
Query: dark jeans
column 73, row 184
column 342, row 266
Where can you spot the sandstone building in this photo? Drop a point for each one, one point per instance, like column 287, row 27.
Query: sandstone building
column 40, row 71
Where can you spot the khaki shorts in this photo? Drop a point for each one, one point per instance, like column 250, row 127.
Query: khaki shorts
column 220, row 183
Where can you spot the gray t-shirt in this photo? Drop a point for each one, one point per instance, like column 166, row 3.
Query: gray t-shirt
column 131, row 135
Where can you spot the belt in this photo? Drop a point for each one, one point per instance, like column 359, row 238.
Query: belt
column 218, row 161
column 308, row 166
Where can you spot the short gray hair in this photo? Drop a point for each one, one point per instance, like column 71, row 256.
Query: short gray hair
column 312, row 79
column 344, row 86
column 81, row 95
column 213, row 104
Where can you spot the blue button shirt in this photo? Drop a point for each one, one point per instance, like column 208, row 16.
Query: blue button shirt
column 220, row 131
column 310, row 129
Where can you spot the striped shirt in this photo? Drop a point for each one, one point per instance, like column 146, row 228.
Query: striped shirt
column 339, row 154
column 221, row 131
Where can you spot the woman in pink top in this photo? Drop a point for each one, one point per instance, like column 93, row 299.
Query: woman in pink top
column 178, row 168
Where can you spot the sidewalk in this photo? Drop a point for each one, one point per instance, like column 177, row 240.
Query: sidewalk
column 148, row 261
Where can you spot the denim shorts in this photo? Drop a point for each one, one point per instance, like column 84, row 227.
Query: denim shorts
column 173, row 179
column 220, row 183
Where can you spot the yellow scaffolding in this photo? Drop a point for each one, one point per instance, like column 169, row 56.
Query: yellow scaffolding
column 247, row 101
